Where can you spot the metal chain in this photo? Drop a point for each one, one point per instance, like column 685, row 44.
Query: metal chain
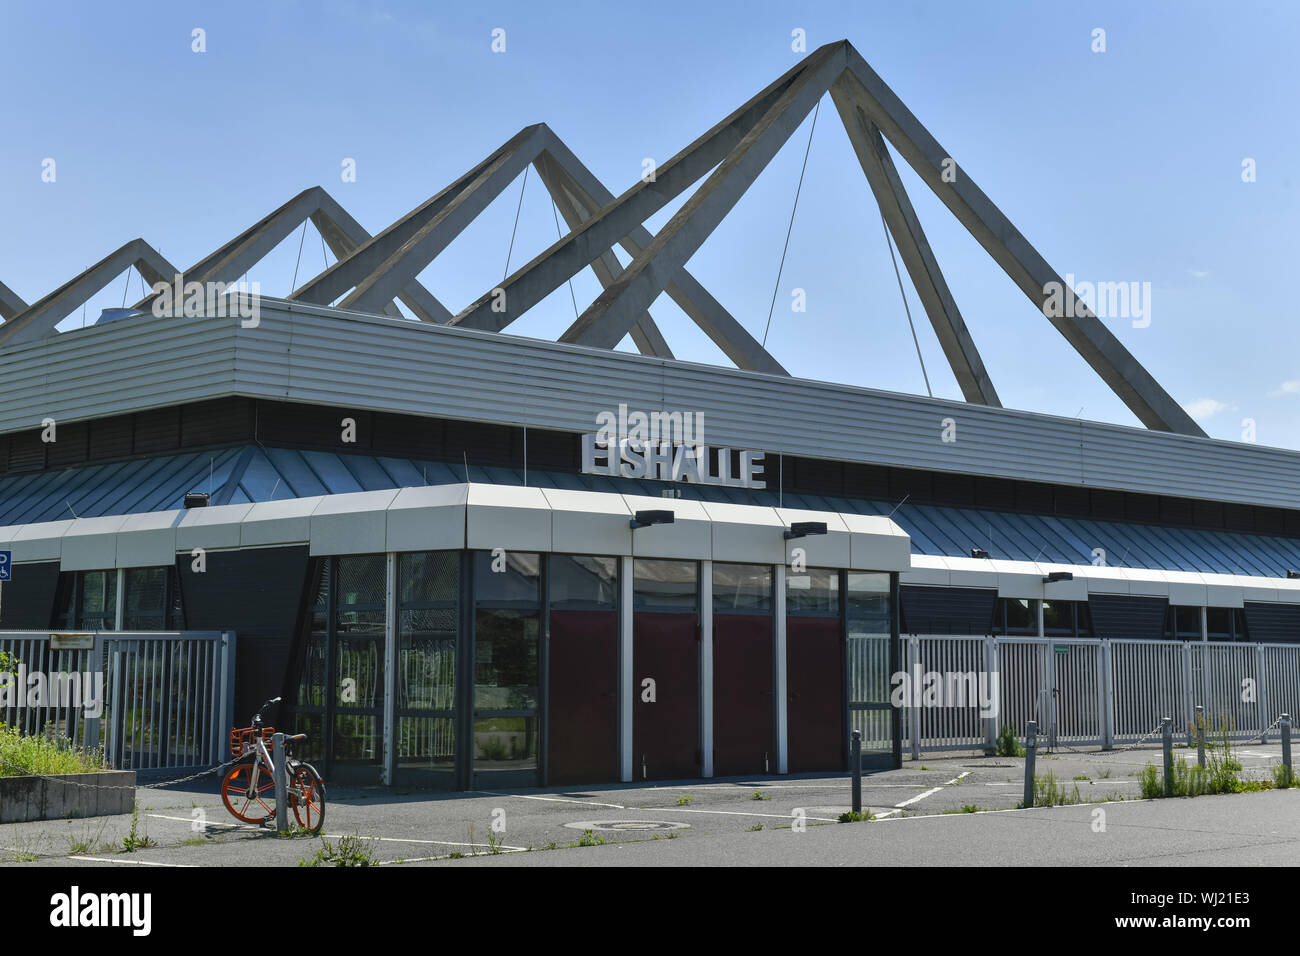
column 1264, row 733
column 23, row 772
column 1159, row 727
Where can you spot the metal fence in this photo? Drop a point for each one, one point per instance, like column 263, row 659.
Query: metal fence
column 151, row 700
column 1087, row 691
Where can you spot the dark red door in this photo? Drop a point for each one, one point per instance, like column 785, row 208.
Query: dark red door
column 742, row 695
column 815, row 709
column 583, row 700
column 665, row 729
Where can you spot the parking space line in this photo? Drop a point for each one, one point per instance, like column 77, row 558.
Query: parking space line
column 523, row 796
column 735, row 813
column 100, row 859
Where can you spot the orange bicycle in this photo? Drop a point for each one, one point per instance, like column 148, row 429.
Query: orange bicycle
column 249, row 789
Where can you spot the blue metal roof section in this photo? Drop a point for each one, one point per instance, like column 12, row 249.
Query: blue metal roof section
column 253, row 474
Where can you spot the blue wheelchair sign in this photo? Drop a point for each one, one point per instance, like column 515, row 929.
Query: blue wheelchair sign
column 5, row 565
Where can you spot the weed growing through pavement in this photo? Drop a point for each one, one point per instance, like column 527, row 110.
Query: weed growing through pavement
column 1049, row 793
column 684, row 800
column 134, row 840
column 349, row 851
column 1007, row 744
column 851, row 816
column 758, row 795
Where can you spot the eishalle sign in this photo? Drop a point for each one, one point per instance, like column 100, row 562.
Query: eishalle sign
column 666, row 446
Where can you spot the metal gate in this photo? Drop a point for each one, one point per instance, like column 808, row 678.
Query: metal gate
column 1089, row 691
column 154, row 700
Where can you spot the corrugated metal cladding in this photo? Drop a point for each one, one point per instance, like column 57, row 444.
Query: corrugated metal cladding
column 317, row 355
column 937, row 610
column 1272, row 624
column 255, row 473
column 1124, row 616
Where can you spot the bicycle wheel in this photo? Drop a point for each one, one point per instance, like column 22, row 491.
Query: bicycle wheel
column 307, row 796
column 255, row 807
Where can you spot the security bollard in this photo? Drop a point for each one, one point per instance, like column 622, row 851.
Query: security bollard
column 1200, row 735
column 855, row 759
column 1168, row 723
column 1286, row 748
column 1031, row 748
column 281, row 778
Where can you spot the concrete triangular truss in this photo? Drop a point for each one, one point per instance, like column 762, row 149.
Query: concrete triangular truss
column 371, row 272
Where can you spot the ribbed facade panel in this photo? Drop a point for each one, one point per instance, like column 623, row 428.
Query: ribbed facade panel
column 325, row 356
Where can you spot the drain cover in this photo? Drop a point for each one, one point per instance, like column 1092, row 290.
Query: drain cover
column 625, row 825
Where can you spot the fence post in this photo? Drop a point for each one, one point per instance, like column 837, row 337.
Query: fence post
column 90, row 726
column 1168, row 726
column 855, row 757
column 115, row 721
column 1187, row 687
column 224, row 653
column 914, row 717
column 281, row 778
column 1031, row 745
column 1200, row 735
column 1286, row 748
column 991, row 662
column 1107, row 691
column 1261, row 691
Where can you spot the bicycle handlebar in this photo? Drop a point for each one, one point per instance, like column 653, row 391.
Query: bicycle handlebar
column 257, row 718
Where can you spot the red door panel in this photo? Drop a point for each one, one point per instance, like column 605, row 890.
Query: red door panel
column 583, row 700
column 815, row 709
column 742, row 695
column 665, row 732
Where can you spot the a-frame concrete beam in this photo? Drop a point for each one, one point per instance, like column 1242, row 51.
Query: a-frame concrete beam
column 691, row 297
column 1099, row 347
column 436, row 234
column 955, row 339
column 570, row 254
column 607, row 319
column 646, row 334
column 341, row 232
column 351, row 270
column 11, row 303
column 39, row 320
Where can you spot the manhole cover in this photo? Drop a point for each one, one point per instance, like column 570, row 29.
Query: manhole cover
column 624, row 825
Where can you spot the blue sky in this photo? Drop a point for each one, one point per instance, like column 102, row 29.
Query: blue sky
column 1118, row 166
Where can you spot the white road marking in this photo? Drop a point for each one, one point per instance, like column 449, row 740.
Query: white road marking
column 919, row 796
column 521, row 796
column 100, row 859
column 932, row 791
column 740, row 813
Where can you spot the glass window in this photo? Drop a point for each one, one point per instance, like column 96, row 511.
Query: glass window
column 1186, row 623
column 1058, row 618
column 505, row 743
column 742, row 587
column 505, row 660
column 580, row 580
column 665, row 585
column 148, row 593
column 870, row 630
column 867, row 599
column 1021, row 617
column 813, row 592
column 86, row 600
column 1219, row 623
column 426, row 659
column 506, row 577
column 1083, row 618
column 428, row 577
